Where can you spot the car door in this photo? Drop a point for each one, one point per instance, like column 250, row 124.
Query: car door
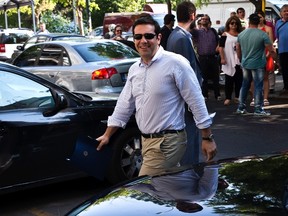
column 33, row 146
column 41, row 60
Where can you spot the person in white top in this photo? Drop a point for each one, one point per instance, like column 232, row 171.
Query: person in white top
column 229, row 59
column 42, row 29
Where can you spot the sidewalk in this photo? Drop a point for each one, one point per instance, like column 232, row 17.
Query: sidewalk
column 278, row 88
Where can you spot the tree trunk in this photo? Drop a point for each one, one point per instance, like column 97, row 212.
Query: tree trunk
column 80, row 21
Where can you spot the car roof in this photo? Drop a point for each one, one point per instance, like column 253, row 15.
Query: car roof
column 59, row 35
column 78, row 42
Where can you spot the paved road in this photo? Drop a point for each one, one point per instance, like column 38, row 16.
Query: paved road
column 235, row 136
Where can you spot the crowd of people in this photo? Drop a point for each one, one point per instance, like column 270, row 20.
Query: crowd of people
column 239, row 59
column 167, row 88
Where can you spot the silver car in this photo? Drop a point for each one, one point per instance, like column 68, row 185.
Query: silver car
column 85, row 65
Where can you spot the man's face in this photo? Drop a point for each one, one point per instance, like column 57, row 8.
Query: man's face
column 241, row 14
column 42, row 27
column 284, row 13
column 146, row 41
column 205, row 21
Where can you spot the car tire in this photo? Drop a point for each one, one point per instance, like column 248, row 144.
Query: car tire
column 126, row 159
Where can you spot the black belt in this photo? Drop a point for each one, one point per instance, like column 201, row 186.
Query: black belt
column 161, row 133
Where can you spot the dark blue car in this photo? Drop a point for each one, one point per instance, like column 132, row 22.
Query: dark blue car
column 40, row 124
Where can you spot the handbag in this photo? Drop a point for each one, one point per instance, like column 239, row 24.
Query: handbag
column 269, row 63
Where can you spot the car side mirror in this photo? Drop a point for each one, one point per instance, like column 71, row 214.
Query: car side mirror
column 60, row 103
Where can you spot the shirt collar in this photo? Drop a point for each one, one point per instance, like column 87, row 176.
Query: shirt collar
column 157, row 55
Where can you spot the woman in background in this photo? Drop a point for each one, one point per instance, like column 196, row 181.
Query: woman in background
column 229, row 60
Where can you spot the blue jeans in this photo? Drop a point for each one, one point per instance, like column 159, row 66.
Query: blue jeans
column 257, row 75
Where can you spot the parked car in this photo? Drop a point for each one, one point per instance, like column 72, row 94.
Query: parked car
column 251, row 185
column 97, row 32
column 88, row 65
column 10, row 39
column 40, row 124
column 39, row 38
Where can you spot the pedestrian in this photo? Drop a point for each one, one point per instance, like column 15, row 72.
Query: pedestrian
column 118, row 33
column 42, row 29
column 269, row 69
column 281, row 32
column 233, row 13
column 241, row 15
column 180, row 42
column 229, row 60
column 206, row 40
column 157, row 87
column 250, row 49
column 166, row 30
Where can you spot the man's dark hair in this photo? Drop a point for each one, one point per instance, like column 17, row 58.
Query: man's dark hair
column 240, row 9
column 147, row 20
column 169, row 18
column 184, row 11
column 254, row 19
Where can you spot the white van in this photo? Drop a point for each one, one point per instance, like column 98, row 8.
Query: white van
column 219, row 11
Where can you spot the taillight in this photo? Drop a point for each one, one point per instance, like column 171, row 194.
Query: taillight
column 104, row 73
column 2, row 48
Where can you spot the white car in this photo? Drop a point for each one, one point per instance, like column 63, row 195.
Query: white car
column 10, row 39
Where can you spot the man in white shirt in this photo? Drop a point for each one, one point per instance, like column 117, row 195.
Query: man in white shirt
column 157, row 88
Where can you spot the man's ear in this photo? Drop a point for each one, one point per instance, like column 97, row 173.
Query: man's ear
column 192, row 16
column 159, row 36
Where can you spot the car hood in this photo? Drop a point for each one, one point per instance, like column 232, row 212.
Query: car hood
column 253, row 185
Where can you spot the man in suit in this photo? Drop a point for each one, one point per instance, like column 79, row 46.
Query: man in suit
column 180, row 42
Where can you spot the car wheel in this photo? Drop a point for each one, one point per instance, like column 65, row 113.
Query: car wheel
column 126, row 159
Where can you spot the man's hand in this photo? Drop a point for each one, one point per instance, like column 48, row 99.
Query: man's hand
column 209, row 149
column 103, row 140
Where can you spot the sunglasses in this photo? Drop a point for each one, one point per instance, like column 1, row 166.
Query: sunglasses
column 233, row 23
column 147, row 36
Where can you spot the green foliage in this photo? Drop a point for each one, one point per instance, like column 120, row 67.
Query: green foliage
column 57, row 23
column 98, row 8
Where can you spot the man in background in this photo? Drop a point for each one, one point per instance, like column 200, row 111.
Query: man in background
column 166, row 30
column 250, row 48
column 241, row 15
column 42, row 29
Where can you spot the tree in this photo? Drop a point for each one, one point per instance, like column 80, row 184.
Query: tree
column 41, row 6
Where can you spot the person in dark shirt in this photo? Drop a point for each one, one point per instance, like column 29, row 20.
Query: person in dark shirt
column 166, row 30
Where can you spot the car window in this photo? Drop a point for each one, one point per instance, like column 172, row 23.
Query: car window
column 53, row 55
column 105, row 51
column 67, row 38
column 28, row 57
column 17, row 92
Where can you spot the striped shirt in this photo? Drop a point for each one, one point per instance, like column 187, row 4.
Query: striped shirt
column 157, row 92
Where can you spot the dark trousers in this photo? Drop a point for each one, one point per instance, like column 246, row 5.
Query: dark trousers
column 283, row 60
column 210, row 71
column 233, row 82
